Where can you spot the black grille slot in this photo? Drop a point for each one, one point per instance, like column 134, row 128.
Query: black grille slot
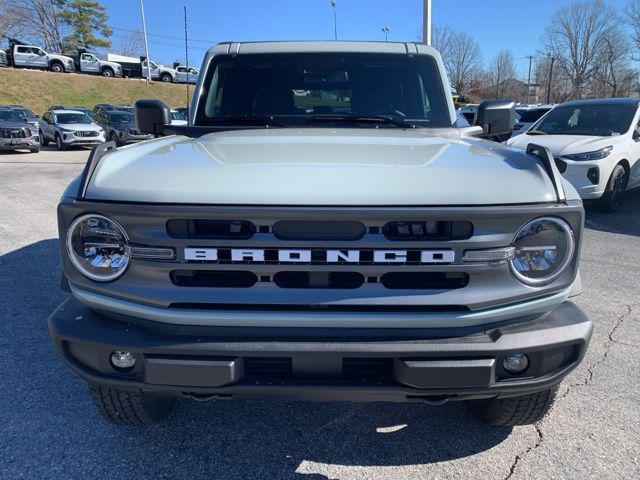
column 268, row 367
column 428, row 230
column 424, row 280
column 276, row 307
column 365, row 368
column 14, row 133
column 318, row 279
column 318, row 230
column 210, row 229
column 213, row 278
column 562, row 166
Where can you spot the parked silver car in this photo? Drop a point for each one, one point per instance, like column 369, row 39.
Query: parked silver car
column 69, row 128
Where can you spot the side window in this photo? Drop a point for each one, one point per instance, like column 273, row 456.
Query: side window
column 86, row 57
column 47, row 117
column 22, row 50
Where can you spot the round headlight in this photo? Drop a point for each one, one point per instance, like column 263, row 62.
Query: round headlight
column 97, row 247
column 544, row 249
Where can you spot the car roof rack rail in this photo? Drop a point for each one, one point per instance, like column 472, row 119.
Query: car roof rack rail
column 97, row 153
column 549, row 163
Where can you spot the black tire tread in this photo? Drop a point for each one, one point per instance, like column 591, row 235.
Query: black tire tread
column 129, row 408
column 512, row 411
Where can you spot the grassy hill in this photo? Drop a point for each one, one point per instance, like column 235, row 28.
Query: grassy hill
column 37, row 90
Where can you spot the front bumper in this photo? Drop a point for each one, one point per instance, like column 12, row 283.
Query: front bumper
column 16, row 143
column 129, row 138
column 70, row 139
column 322, row 364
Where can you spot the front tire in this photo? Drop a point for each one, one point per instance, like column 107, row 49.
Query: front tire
column 59, row 143
column 166, row 78
column 43, row 140
column 129, row 408
column 107, row 72
column 56, row 67
column 35, row 149
column 512, row 411
column 614, row 193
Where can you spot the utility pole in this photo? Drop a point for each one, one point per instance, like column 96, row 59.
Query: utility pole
column 550, row 78
column 426, row 22
column 530, row 57
column 386, row 31
column 186, row 52
column 335, row 21
column 146, row 43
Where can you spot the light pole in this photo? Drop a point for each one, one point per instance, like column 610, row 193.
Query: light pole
column 386, row 31
column 550, row 79
column 146, row 43
column 530, row 57
column 335, row 21
column 426, row 22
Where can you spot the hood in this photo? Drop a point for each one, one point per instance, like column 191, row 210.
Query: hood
column 60, row 57
column 563, row 144
column 15, row 125
column 80, row 127
column 321, row 167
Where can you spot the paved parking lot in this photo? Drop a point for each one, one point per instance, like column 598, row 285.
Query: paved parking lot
column 49, row 429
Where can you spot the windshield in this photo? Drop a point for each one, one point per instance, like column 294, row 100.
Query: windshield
column 10, row 116
column 121, row 117
column 66, row 118
column 296, row 88
column 530, row 116
column 26, row 113
column 597, row 120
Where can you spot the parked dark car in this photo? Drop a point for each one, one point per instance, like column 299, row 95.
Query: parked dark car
column 30, row 117
column 16, row 133
column 120, row 127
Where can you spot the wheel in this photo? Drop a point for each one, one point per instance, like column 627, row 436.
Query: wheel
column 511, row 411
column 166, row 78
column 35, row 149
column 114, row 138
column 129, row 408
column 43, row 140
column 59, row 143
column 107, row 72
column 614, row 193
column 57, row 67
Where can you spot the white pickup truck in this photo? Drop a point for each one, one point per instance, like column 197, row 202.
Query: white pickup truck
column 31, row 56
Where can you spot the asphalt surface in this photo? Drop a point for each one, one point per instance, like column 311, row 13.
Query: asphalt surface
column 49, row 428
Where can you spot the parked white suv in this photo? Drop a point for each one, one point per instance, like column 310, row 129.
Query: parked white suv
column 69, row 128
column 596, row 144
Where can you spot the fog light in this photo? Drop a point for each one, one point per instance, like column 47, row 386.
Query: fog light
column 593, row 174
column 121, row 360
column 516, row 363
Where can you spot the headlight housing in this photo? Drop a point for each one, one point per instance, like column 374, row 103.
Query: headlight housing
column 98, row 247
column 586, row 156
column 544, row 250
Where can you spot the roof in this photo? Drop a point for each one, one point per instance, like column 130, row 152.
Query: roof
column 61, row 110
column 605, row 101
column 319, row 46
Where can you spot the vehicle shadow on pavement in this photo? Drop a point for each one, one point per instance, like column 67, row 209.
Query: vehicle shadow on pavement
column 625, row 221
column 51, row 430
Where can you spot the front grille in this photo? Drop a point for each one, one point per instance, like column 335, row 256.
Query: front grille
column 213, row 279
column 86, row 134
column 430, row 230
column 15, row 133
column 367, row 368
column 338, row 280
column 210, row 229
column 424, row 280
column 268, row 367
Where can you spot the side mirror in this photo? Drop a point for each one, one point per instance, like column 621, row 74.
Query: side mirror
column 496, row 117
column 152, row 116
column 636, row 133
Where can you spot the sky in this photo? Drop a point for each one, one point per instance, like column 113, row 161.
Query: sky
column 495, row 24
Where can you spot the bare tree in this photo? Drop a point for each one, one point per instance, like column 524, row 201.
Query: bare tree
column 442, row 38
column 576, row 36
column 613, row 77
column 131, row 44
column 501, row 73
column 37, row 21
column 462, row 59
column 633, row 19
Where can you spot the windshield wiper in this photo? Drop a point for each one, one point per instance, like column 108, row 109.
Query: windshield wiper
column 536, row 132
column 266, row 120
column 362, row 119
